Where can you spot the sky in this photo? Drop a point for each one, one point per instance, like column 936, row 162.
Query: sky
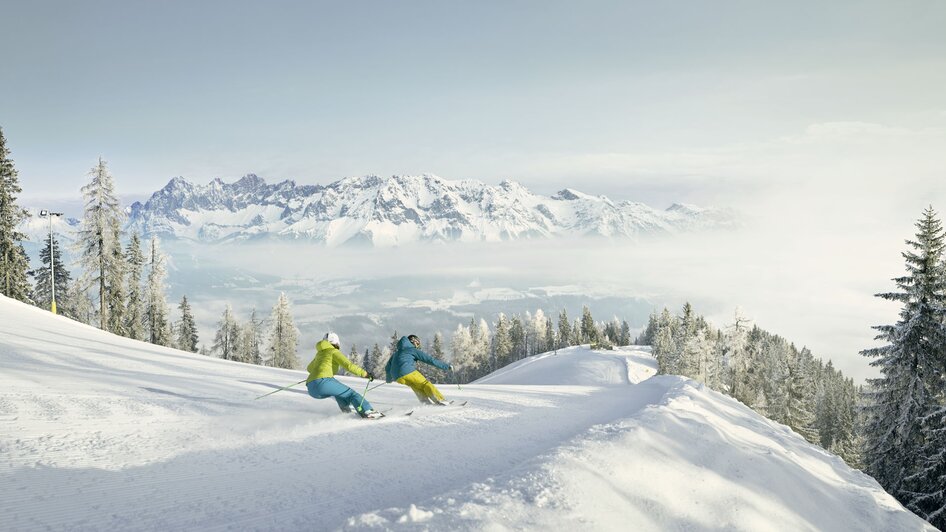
column 822, row 123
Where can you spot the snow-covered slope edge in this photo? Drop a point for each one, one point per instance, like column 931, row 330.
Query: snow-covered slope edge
column 692, row 460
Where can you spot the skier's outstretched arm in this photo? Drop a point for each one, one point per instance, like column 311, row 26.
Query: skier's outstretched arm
column 427, row 359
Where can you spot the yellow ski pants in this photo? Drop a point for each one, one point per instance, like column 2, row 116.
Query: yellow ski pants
column 423, row 389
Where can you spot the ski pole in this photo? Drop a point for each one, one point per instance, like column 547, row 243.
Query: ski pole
column 281, row 389
column 363, row 396
column 376, row 386
column 457, row 379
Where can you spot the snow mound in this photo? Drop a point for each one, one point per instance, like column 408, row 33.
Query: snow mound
column 692, row 460
column 578, row 365
column 99, row 432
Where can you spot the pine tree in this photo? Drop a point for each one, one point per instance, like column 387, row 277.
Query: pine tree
column 911, row 366
column 564, row 330
column 49, row 258
column 98, row 238
column 625, row 337
column 251, row 344
column 187, row 330
column 436, row 350
column 461, row 349
column 517, row 337
column 502, row 343
column 14, row 264
column 589, row 333
column 156, row 305
column 83, row 309
column 550, row 341
column 354, row 357
column 135, row 307
column 283, row 336
column 375, row 363
column 228, row 337
column 116, row 299
column 664, row 345
column 800, row 407
column 649, row 334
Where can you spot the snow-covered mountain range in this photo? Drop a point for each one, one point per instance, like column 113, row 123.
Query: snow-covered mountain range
column 397, row 210
column 143, row 437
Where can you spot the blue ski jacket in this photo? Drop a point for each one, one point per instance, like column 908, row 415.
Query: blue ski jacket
column 404, row 360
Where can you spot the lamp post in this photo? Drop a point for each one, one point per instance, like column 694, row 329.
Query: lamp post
column 52, row 256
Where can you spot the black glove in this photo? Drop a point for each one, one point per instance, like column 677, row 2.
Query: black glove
column 369, row 376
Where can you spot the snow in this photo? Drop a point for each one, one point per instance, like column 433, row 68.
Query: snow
column 99, row 432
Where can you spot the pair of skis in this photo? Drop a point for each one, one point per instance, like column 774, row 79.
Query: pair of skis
column 411, row 411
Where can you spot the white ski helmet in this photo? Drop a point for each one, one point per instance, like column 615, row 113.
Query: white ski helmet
column 332, row 339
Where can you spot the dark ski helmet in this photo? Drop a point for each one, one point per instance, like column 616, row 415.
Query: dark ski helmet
column 414, row 339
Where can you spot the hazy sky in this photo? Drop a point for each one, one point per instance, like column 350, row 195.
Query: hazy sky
column 823, row 123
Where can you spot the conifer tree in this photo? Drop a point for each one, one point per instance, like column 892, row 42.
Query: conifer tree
column 98, row 237
column 283, row 336
column 227, row 340
column 437, row 347
column 589, row 333
column 664, row 345
column 517, row 338
column 564, row 330
column 502, row 344
column 82, row 308
column 436, row 350
column 625, row 337
column 156, row 306
column 378, row 359
column 911, row 387
column 187, row 330
column 14, row 263
column 117, row 270
column 49, row 257
column 461, row 349
column 800, row 407
column 135, row 307
column 252, row 340
column 550, row 341
column 354, row 357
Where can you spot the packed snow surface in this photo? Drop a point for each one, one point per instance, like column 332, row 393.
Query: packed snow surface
column 99, row 432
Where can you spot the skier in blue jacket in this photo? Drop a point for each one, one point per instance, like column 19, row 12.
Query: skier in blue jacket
column 402, row 367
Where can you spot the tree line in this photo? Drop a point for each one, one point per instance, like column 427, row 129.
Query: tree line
column 763, row 371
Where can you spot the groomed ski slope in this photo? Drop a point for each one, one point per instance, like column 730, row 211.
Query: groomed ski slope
column 99, row 432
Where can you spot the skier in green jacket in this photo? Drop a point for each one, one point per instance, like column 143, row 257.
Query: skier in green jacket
column 322, row 384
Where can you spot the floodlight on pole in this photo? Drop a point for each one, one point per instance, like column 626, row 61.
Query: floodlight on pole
column 52, row 256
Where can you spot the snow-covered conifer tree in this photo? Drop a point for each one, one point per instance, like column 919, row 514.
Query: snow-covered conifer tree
column 187, row 329
column 98, row 237
column 564, row 330
column 589, row 332
column 156, row 305
column 228, row 338
column 664, row 345
column 14, row 263
column 355, row 357
column 462, row 356
column 911, row 386
column 135, row 307
column 283, row 336
column 502, row 344
column 251, row 344
column 538, row 331
column 83, row 308
column 42, row 293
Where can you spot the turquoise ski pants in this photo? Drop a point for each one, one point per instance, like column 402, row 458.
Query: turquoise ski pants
column 346, row 398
